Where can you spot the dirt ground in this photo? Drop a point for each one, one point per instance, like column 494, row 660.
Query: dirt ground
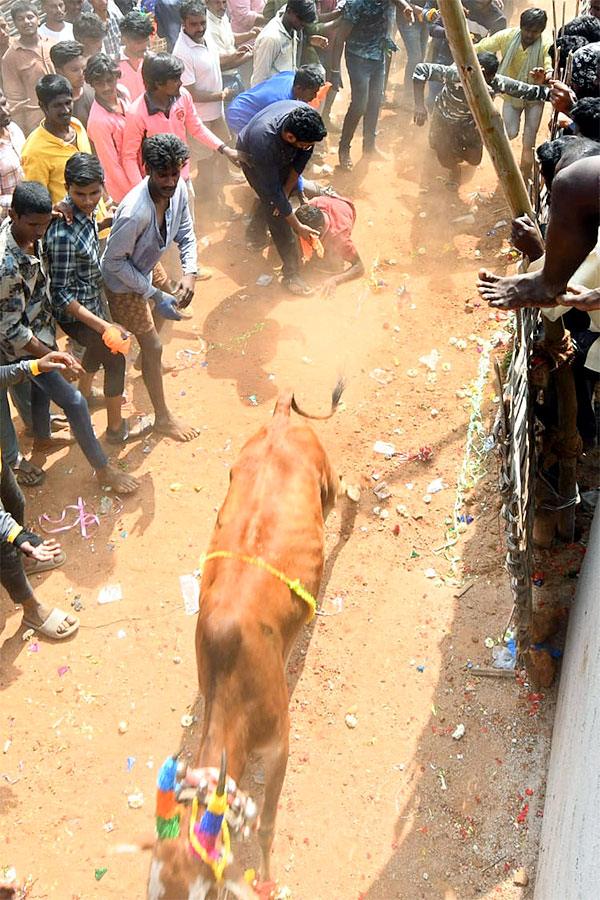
column 393, row 807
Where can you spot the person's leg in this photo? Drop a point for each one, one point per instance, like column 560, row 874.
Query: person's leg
column 375, row 96
column 442, row 139
column 96, row 355
column 256, row 230
column 358, row 72
column 472, row 144
column 132, row 311
column 8, row 435
column 512, row 119
column 412, row 38
column 285, row 242
column 533, row 117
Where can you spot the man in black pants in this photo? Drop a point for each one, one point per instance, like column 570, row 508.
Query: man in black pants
column 277, row 143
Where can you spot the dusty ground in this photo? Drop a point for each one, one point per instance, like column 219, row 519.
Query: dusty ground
column 393, row 808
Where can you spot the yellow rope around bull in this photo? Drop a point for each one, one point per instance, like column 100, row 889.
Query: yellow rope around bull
column 294, row 585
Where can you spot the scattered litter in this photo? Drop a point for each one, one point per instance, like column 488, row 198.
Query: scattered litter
column 264, row 280
column 351, row 720
column 384, row 447
column 186, row 721
column 430, row 573
column 62, row 670
column 353, row 492
column 86, row 519
column 469, row 219
column 458, row 732
column 175, row 486
column 135, row 800
column 435, row 486
column 100, row 873
column 412, row 373
column 122, row 727
column 431, row 360
column 109, row 593
column 121, row 634
column 33, row 647
column 382, row 376
column 520, row 877
column 505, row 657
column 489, row 642
column 500, row 224
column 336, row 604
column 489, row 443
column 27, row 635
column 382, row 491
column 130, row 763
column 252, row 399
column 307, row 360
column 190, row 591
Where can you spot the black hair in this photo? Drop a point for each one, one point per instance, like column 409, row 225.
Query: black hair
column 100, row 65
column 311, row 216
column 565, row 44
column 31, row 197
column 534, row 18
column 586, row 115
column 136, row 24
column 587, row 27
column 83, row 169
column 65, row 52
column 164, row 151
column 488, row 62
column 575, row 147
column 305, row 124
column 192, row 8
column 310, row 76
column 22, row 6
column 160, row 67
column 88, row 25
column 49, row 87
column 304, row 9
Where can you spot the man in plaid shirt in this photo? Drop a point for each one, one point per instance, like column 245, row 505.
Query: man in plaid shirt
column 112, row 38
column 11, row 144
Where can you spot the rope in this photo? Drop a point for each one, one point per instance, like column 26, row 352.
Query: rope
column 218, row 864
column 294, row 585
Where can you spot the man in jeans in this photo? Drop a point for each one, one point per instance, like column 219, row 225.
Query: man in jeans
column 277, row 144
column 364, row 30
column 27, row 330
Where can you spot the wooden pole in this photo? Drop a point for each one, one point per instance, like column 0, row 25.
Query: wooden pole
column 487, row 116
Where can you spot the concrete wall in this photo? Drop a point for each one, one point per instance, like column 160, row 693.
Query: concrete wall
column 569, row 860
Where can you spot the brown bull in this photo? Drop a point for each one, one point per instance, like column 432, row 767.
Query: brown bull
column 281, row 490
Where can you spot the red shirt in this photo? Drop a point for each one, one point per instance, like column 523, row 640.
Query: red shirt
column 340, row 217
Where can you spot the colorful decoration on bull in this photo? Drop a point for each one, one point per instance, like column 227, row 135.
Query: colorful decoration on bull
column 209, row 838
column 168, row 811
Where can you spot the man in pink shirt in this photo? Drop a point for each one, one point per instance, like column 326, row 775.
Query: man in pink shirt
column 136, row 31
column 106, row 121
column 164, row 107
column 245, row 14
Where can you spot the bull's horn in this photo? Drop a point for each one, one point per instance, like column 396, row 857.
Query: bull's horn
column 222, row 774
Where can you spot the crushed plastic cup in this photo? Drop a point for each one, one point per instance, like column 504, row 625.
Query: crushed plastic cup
column 504, row 657
column 384, row 447
column 190, row 591
column 110, row 593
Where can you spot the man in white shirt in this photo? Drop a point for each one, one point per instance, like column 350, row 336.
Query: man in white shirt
column 234, row 51
column 276, row 47
column 202, row 77
column 55, row 27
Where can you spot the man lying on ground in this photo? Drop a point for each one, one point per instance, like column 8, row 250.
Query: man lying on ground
column 453, row 133
column 333, row 217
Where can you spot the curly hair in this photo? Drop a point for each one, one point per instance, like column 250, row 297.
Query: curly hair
column 305, row 124
column 164, row 151
column 31, row 197
column 136, row 24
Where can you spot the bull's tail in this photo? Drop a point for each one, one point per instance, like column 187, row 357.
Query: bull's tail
column 335, row 399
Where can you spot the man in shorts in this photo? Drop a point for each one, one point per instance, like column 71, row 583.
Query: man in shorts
column 150, row 217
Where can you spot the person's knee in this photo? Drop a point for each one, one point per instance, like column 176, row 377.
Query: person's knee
column 75, row 405
column 151, row 347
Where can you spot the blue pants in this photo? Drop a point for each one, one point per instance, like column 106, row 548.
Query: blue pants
column 414, row 38
column 52, row 386
column 367, row 78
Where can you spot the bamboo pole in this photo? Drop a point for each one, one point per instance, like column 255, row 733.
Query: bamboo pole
column 487, row 116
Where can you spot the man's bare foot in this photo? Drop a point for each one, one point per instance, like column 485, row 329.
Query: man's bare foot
column 166, row 367
column 53, row 443
column 176, row 429
column 36, row 613
column 513, row 291
column 120, row 482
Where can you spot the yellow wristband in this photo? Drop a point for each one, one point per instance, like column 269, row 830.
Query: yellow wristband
column 35, row 366
column 14, row 532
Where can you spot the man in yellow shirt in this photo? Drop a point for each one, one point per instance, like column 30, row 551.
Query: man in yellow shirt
column 525, row 56
column 56, row 139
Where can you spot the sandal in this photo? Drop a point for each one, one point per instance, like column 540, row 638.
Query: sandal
column 48, row 628
column 125, row 434
column 26, row 473
column 295, row 285
column 36, row 566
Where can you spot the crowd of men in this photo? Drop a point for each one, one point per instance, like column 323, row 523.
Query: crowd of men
column 120, row 126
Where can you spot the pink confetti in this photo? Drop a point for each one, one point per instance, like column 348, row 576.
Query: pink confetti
column 33, row 648
column 62, row 670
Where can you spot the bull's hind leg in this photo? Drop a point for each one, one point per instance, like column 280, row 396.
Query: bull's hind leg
column 275, row 763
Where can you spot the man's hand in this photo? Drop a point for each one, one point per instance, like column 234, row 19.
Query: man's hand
column 420, row 116
column 525, row 236
column 318, row 40
column 407, row 11
column 43, row 552
column 305, row 231
column 184, row 290
column 234, row 156
column 538, row 75
column 562, row 97
column 580, row 297
column 166, row 306
column 335, row 79
column 328, row 288
column 60, row 361
column 63, row 210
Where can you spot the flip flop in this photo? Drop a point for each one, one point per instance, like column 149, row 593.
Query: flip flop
column 26, row 473
column 124, row 436
column 48, row 627
column 36, row 566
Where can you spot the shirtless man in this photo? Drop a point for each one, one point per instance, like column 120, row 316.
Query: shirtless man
column 571, row 236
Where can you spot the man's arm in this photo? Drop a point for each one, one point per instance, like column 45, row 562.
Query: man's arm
column 493, row 43
column 133, row 135
column 423, row 73
column 242, row 16
column 356, row 270
column 520, row 89
column 16, row 338
column 186, row 242
column 342, row 32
